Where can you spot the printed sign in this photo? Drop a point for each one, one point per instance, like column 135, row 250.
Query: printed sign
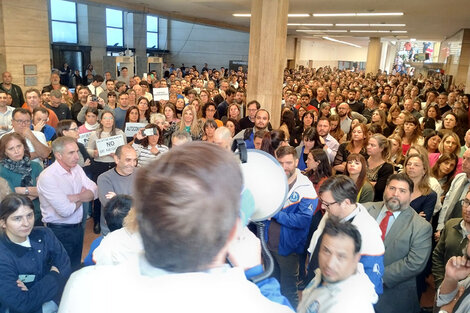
column 83, row 139
column 132, row 128
column 108, row 145
column 160, row 94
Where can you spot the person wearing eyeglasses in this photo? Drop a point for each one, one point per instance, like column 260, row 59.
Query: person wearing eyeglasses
column 36, row 141
column 452, row 242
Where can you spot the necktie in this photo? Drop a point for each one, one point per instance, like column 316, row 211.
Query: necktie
column 384, row 224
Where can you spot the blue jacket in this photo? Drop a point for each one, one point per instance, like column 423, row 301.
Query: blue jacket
column 295, row 216
column 43, row 284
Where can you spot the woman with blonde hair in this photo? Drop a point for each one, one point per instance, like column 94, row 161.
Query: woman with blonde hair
column 393, row 113
column 378, row 166
column 396, row 154
column 335, row 129
column 450, row 143
column 189, row 123
column 423, row 198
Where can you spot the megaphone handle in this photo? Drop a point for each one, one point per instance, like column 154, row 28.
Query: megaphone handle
column 267, row 257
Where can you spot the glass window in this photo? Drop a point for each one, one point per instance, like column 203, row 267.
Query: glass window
column 114, row 28
column 152, row 40
column 152, row 24
column 63, row 11
column 113, row 18
column 64, row 32
column 64, row 21
column 114, row 37
column 152, row 32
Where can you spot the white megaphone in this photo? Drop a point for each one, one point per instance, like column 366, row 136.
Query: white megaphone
column 265, row 184
column 265, row 191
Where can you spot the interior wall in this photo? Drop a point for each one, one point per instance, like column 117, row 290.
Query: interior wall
column 325, row 53
column 194, row 44
column 24, row 40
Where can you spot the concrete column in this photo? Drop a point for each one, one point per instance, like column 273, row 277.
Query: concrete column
column 268, row 32
column 373, row 55
column 24, row 39
column 464, row 61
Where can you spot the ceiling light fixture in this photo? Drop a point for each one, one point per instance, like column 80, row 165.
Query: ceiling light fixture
column 399, row 31
column 387, row 25
column 369, row 31
column 298, row 15
column 322, row 30
column 352, row 25
column 343, row 42
column 241, row 14
column 371, row 25
column 308, row 24
column 356, row 14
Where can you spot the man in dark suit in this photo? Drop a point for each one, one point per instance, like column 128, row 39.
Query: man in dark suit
column 407, row 240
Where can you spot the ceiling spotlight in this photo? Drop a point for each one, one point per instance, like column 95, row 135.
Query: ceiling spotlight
column 298, row 15
column 340, row 41
column 356, row 14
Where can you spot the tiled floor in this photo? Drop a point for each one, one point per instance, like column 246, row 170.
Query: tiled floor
column 89, row 237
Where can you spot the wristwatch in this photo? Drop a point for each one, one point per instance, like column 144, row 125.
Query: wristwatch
column 26, row 191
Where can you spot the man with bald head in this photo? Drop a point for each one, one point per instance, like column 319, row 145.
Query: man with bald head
column 13, row 90
column 223, row 138
column 118, row 180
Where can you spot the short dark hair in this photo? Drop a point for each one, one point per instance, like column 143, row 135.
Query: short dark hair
column 13, row 202
column 115, row 210
column 182, row 231
column 41, row 109
column 258, row 105
column 336, row 228
column 341, row 186
column 22, row 111
column 62, row 126
column 401, row 177
column 230, row 91
column 285, row 150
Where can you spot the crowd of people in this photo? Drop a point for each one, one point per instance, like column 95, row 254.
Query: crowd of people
column 389, row 154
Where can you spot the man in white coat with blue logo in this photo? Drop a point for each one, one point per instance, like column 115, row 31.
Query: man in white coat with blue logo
column 287, row 231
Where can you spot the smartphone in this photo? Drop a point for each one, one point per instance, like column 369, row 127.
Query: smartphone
column 150, row 131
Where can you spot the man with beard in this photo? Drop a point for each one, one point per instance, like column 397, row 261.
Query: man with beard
column 407, row 240
column 261, row 123
column 354, row 105
column 343, row 112
column 338, row 196
column 288, row 230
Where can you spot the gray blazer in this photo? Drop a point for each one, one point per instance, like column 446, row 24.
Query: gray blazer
column 407, row 249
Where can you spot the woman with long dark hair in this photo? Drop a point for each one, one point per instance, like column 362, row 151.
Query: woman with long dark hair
column 357, row 144
column 272, row 140
column 356, row 169
column 310, row 140
column 318, row 167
